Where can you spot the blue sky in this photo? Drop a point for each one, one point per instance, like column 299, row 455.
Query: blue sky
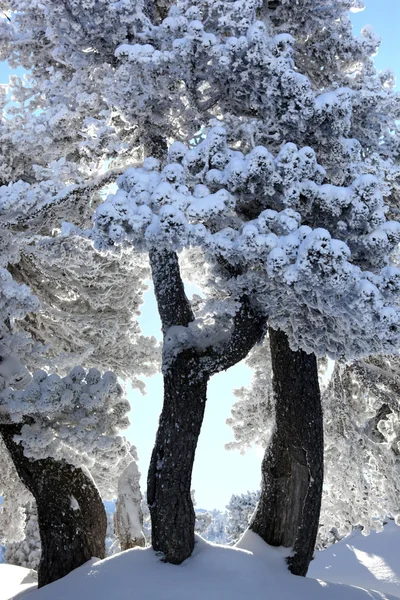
column 218, row 473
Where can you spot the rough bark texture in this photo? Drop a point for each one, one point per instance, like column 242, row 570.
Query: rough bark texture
column 185, row 393
column 170, row 473
column 71, row 514
column 292, row 470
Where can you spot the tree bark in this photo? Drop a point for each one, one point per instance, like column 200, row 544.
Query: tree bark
column 71, row 514
column 292, row 469
column 185, row 393
column 170, row 473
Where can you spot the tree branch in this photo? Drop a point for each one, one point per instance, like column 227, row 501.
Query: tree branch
column 71, row 192
column 173, row 305
column 249, row 327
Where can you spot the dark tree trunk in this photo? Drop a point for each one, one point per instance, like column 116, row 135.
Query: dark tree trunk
column 186, row 375
column 170, row 473
column 292, row 469
column 71, row 515
column 185, row 393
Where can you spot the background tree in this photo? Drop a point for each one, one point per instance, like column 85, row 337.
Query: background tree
column 239, row 512
column 26, row 553
column 128, row 518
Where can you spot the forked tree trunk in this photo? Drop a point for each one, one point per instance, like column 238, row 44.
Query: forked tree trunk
column 186, row 373
column 71, row 514
column 292, row 469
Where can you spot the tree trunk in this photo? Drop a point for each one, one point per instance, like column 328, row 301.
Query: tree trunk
column 71, row 514
column 186, row 375
column 170, row 473
column 292, row 469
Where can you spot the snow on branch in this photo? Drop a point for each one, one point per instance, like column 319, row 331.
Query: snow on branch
column 76, row 417
column 314, row 256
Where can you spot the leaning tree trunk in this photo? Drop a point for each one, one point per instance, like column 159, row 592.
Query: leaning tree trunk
column 71, row 515
column 186, row 373
column 185, row 389
column 170, row 473
column 292, row 469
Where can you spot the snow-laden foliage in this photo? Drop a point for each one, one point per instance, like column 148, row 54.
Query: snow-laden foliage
column 26, row 553
column 362, row 446
column 324, row 37
column 266, row 79
column 75, row 417
column 84, row 318
column 239, row 512
column 15, row 302
column 15, row 497
column 309, row 279
column 205, row 59
column 252, row 415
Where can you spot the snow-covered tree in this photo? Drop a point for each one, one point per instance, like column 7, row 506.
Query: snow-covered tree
column 52, row 426
column 49, row 174
column 286, row 195
column 239, row 512
column 362, row 434
column 128, row 518
column 26, row 553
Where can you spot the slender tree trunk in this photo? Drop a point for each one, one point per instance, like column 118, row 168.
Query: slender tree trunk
column 71, row 514
column 292, row 470
column 170, row 473
column 185, row 394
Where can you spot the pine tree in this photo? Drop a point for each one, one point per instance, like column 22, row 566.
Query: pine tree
column 285, row 193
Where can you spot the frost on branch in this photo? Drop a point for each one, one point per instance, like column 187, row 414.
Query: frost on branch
column 252, row 415
column 302, row 246
column 90, row 313
column 362, row 433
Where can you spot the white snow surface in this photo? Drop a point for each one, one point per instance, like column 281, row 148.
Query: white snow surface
column 250, row 570
column 15, row 580
column 367, row 561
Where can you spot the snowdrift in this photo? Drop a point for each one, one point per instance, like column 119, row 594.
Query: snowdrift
column 251, row 570
column 371, row 561
column 15, row 578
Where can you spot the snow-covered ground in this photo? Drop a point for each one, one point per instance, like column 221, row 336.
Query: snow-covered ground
column 371, row 561
column 251, row 570
column 15, row 579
